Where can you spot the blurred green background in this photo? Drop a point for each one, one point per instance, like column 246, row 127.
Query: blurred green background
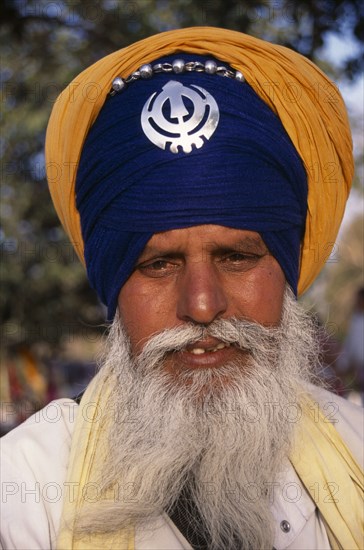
column 51, row 322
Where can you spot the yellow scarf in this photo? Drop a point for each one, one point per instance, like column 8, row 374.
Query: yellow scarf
column 321, row 459
column 332, row 477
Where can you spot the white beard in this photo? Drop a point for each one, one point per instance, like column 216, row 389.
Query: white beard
column 228, row 446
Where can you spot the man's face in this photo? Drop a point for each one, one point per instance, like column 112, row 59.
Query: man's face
column 197, row 275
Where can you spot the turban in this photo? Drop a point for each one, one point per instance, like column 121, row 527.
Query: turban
column 295, row 99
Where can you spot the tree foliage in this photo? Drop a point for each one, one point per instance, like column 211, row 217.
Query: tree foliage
column 44, row 291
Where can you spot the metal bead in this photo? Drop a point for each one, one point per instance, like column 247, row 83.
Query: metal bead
column 210, row 67
column 118, row 84
column 146, row 71
column 199, row 67
column 158, row 68
column 190, row 66
column 178, row 66
column 166, row 68
column 239, row 76
column 285, row 526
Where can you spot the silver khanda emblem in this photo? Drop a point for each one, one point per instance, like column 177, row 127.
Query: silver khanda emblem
column 180, row 116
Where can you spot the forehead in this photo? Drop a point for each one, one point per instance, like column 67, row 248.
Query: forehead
column 206, row 237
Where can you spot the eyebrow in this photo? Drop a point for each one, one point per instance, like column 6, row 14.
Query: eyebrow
column 241, row 247
column 241, row 244
column 245, row 244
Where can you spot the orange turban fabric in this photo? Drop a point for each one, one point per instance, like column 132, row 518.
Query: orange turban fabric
column 307, row 102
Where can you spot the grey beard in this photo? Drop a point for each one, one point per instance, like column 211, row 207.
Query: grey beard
column 227, row 447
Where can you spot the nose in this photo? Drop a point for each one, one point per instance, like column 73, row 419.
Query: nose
column 202, row 297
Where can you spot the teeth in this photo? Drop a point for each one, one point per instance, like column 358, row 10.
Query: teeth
column 197, row 351
column 200, row 351
column 221, row 346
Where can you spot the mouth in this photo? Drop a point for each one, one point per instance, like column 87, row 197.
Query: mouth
column 197, row 350
column 206, row 354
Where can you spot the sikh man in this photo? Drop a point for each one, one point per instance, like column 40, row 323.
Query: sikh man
column 201, row 186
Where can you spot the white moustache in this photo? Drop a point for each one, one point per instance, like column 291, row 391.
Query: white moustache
column 244, row 334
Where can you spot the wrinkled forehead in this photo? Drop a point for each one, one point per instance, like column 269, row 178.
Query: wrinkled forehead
column 204, row 240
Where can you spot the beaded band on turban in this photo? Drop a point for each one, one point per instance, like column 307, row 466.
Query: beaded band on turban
column 307, row 104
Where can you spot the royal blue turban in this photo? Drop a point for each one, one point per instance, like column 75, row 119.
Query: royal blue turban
column 247, row 175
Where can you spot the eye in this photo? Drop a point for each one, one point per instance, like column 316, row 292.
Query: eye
column 240, row 261
column 158, row 267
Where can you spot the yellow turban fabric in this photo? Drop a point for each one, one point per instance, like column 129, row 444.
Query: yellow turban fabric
column 307, row 102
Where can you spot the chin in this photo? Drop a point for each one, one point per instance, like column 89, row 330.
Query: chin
column 205, row 382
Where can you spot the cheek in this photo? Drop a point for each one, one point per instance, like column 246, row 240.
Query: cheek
column 131, row 314
column 142, row 313
column 261, row 296
column 271, row 301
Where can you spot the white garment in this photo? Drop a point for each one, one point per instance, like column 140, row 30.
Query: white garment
column 34, row 467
